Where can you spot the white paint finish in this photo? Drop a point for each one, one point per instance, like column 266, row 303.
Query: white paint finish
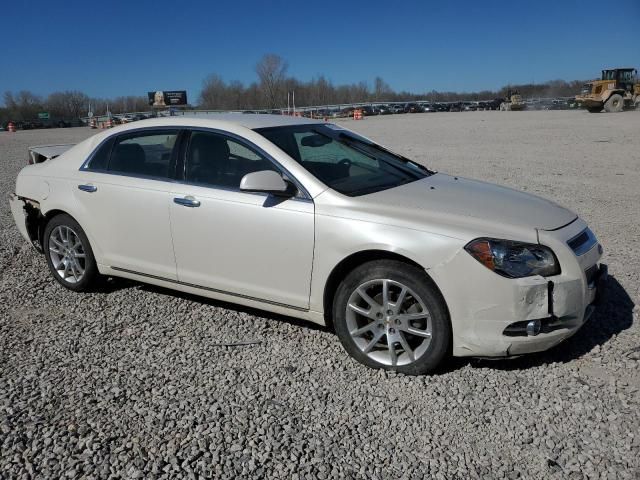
column 252, row 244
column 129, row 220
column 50, row 151
column 241, row 250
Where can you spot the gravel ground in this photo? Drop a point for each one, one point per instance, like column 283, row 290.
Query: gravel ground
column 132, row 382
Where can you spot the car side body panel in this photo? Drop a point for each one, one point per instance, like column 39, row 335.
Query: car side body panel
column 258, row 245
column 129, row 219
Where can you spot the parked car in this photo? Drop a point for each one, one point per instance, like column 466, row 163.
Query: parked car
column 383, row 110
column 413, row 108
column 397, row 108
column 429, row 107
column 310, row 220
column 368, row 110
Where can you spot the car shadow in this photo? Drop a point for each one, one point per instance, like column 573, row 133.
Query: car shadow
column 613, row 315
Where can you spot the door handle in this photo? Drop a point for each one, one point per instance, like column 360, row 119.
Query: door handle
column 87, row 188
column 187, row 201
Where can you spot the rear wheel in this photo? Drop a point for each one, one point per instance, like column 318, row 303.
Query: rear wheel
column 69, row 254
column 615, row 103
column 389, row 315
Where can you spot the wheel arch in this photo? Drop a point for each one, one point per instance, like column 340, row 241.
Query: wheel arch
column 354, row 260
column 45, row 218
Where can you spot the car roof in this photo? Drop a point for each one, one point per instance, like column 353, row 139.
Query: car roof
column 247, row 120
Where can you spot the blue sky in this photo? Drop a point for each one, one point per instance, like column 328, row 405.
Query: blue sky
column 108, row 48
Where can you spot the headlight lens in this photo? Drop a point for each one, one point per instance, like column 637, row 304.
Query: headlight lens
column 514, row 259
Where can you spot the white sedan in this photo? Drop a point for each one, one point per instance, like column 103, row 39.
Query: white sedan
column 308, row 219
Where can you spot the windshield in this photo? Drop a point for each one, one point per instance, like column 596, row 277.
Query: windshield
column 343, row 160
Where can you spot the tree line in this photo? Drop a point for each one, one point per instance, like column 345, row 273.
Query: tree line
column 272, row 89
column 71, row 104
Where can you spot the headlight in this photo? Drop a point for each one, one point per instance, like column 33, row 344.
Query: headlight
column 514, row 259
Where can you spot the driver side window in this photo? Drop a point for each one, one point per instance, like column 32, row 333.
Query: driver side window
column 215, row 160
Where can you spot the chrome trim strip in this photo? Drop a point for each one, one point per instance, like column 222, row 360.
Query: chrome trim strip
column 187, row 202
column 215, row 290
column 83, row 167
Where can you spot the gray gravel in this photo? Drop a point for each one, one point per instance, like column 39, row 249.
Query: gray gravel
column 132, row 382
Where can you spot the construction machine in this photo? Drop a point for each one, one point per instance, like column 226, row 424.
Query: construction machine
column 513, row 101
column 617, row 90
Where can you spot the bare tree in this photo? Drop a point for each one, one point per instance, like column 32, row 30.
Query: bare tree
column 214, row 92
column 67, row 104
column 272, row 71
column 24, row 105
column 381, row 89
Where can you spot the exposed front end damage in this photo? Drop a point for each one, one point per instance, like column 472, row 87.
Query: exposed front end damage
column 28, row 217
column 500, row 317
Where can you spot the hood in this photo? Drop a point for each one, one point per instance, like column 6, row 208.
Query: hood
column 445, row 195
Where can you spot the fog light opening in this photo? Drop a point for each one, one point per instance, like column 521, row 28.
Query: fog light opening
column 533, row 328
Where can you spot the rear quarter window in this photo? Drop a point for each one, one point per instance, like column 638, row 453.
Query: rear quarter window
column 100, row 158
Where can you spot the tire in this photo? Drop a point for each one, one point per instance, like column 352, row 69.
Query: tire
column 595, row 109
column 364, row 327
column 66, row 245
column 614, row 104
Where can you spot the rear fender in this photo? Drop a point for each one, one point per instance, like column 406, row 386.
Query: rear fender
column 29, row 219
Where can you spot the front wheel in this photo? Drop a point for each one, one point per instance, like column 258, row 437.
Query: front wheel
column 389, row 314
column 69, row 254
column 614, row 104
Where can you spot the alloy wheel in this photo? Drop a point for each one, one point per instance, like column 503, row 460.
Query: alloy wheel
column 67, row 254
column 389, row 322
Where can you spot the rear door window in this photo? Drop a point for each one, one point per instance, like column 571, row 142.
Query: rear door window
column 147, row 154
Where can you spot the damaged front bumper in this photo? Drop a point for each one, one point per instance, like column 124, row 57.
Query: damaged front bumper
column 541, row 333
column 493, row 316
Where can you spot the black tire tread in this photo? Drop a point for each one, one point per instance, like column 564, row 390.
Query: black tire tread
column 91, row 274
column 419, row 281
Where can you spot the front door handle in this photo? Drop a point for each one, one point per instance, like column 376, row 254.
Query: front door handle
column 186, row 201
column 87, row 188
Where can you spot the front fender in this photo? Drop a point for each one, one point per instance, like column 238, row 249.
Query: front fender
column 339, row 238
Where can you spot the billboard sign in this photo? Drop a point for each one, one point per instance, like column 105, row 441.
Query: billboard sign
column 43, row 115
column 167, row 98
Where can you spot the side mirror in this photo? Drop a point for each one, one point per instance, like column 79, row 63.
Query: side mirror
column 266, row 181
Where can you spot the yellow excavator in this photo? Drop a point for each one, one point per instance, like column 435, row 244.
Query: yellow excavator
column 617, row 90
column 513, row 101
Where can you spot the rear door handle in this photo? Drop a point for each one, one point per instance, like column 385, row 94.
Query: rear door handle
column 87, row 188
column 186, row 201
